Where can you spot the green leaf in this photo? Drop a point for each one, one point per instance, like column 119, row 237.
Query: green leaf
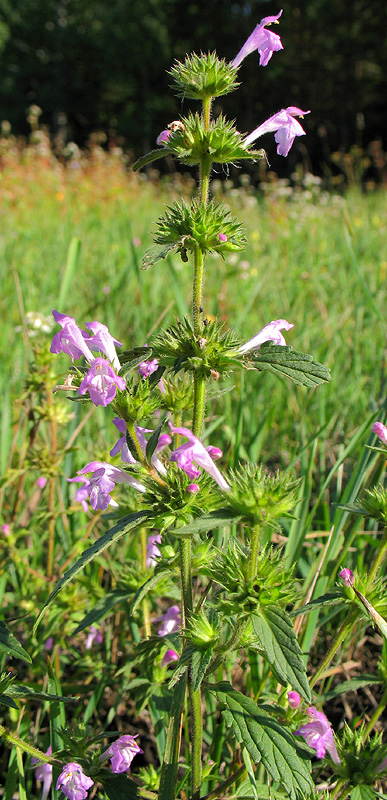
column 351, row 685
column 7, row 701
column 363, row 792
column 278, row 640
column 215, row 519
column 118, row 787
column 286, row 362
column 154, row 155
column 18, row 690
column 153, row 441
column 102, row 607
column 199, row 663
column 266, row 741
column 329, row 599
column 131, row 358
column 112, row 535
column 144, row 589
column 250, row 773
column 10, row 644
column 154, row 254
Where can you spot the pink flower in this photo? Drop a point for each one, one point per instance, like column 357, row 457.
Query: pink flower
column 163, row 137
column 44, row 773
column 121, row 445
column 70, row 339
column 152, row 551
column 271, row 332
column 104, row 342
column 147, row 368
column 318, row 734
column 102, row 482
column 192, row 451
column 93, row 635
column 347, row 576
column 126, row 455
column 41, row 482
column 380, row 431
column 73, row 782
column 122, row 753
column 101, row 382
column 266, row 42
column 284, row 125
column 193, row 488
column 294, row 699
column 6, row 529
column 169, row 657
column 171, row 621
column 222, row 237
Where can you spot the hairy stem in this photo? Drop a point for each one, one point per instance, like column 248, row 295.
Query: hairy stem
column 145, row 602
column 197, row 736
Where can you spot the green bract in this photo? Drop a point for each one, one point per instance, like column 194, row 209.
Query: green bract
column 260, row 498
column 202, row 77
column 221, row 143
column 211, row 354
column 360, row 759
column 137, row 403
column 191, row 226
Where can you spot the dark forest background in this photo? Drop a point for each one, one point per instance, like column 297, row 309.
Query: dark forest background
column 100, row 65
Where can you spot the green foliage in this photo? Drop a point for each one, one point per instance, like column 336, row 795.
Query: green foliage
column 283, row 361
column 188, row 226
column 10, row 645
column 278, row 643
column 204, row 76
column 266, row 741
column 209, row 354
column 360, row 758
column 260, row 498
column 220, row 144
column 373, row 504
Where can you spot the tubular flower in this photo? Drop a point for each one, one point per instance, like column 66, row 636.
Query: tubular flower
column 169, row 657
column 271, row 332
column 171, row 621
column 152, row 551
column 192, row 451
column 347, row 576
column 83, row 493
column 104, row 342
column 70, row 339
column 44, row 774
column 121, row 445
column 163, row 137
column 285, row 127
column 122, row 753
column 380, row 431
column 73, row 782
column 102, row 482
column 126, row 455
column 264, row 41
column 101, row 382
column 319, row 735
column 93, row 635
column 294, row 699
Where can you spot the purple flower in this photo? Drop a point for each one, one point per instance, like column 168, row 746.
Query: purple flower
column 94, row 635
column 104, row 342
column 163, row 137
column 121, row 445
column 122, row 753
column 6, row 529
column 222, row 237
column 70, row 339
column 44, row 773
column 318, row 734
column 41, row 482
column 171, row 621
column 73, row 782
column 294, row 699
column 380, row 431
column 284, row 125
column 48, row 645
column 271, row 332
column 266, row 42
column 101, row 382
column 126, row 455
column 147, row 368
column 192, row 451
column 347, row 576
column 192, row 488
column 152, row 551
column 169, row 657
column 102, row 482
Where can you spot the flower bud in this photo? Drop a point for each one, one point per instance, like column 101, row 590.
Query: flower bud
column 294, row 699
column 347, row 577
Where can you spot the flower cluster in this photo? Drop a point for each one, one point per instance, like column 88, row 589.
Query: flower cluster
column 101, row 380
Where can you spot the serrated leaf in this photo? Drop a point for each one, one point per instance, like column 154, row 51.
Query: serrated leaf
column 286, row 362
column 18, row 690
column 131, row 358
column 199, row 663
column 112, row 535
column 363, row 792
column 144, row 589
column 154, row 254
column 118, row 787
column 215, row 519
column 10, row 644
column 102, row 607
column 353, row 508
column 266, row 741
column 278, row 640
column 154, row 155
column 329, row 599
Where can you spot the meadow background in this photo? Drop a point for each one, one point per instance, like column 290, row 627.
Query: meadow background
column 75, row 223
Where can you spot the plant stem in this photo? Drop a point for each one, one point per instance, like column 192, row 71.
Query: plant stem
column 223, row 786
column 375, row 716
column 168, row 778
column 378, row 560
column 197, row 725
column 185, row 550
column 333, row 649
column 254, row 551
column 145, row 602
